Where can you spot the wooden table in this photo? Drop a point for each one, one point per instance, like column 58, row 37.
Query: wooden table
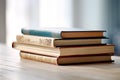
column 12, row 67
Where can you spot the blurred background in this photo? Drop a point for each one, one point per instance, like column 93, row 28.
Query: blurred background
column 89, row 14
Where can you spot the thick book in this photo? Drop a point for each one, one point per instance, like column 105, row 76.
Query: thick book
column 66, row 60
column 56, row 42
column 64, row 33
column 64, row 51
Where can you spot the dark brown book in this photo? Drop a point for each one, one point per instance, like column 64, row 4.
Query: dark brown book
column 82, row 34
column 66, row 60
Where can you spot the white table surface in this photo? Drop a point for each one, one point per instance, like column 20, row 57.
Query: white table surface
column 12, row 67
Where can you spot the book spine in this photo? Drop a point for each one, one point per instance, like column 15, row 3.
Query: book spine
column 35, row 40
column 51, row 60
column 40, row 33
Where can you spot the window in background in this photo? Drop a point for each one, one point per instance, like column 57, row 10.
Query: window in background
column 55, row 13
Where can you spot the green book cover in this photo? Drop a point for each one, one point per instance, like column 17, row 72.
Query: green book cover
column 46, row 33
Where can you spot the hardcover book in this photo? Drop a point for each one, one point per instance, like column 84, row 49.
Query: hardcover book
column 64, row 33
column 56, row 42
column 66, row 60
column 64, row 51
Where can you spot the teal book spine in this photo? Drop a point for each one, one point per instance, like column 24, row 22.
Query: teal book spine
column 44, row 33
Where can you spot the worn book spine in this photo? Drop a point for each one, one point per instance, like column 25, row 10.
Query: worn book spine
column 35, row 40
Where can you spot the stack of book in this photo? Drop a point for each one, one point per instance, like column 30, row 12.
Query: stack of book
column 64, row 47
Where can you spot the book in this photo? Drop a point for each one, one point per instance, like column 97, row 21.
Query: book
column 64, row 51
column 65, row 60
column 67, row 33
column 56, row 42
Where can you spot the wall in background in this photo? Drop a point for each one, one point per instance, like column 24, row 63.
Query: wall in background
column 112, row 22
column 88, row 14
column 3, row 21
